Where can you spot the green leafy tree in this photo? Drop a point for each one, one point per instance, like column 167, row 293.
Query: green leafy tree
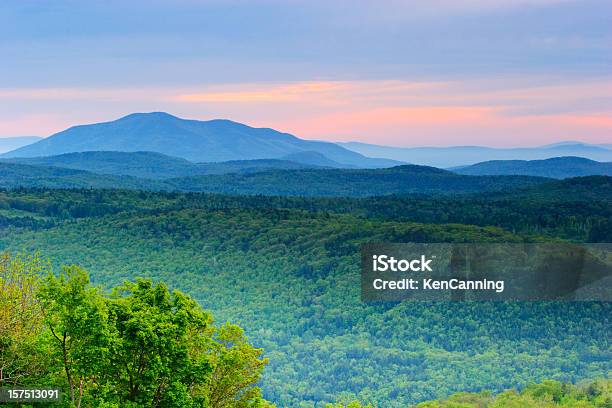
column 22, row 355
column 77, row 317
column 238, row 366
column 160, row 356
column 143, row 346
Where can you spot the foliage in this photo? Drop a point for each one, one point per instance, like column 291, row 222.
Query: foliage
column 21, row 316
column 576, row 209
column 548, row 394
column 286, row 270
column 140, row 346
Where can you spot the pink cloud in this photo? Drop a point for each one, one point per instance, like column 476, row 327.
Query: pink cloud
column 488, row 111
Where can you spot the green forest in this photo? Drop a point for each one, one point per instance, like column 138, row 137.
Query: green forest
column 283, row 272
column 248, row 179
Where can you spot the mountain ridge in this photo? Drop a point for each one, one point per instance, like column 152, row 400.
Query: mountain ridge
column 407, row 179
column 151, row 165
column 197, row 141
column 453, row 156
column 556, row 167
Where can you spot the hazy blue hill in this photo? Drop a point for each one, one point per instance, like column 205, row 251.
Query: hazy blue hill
column 302, row 182
column 196, row 141
column 558, row 167
column 16, row 171
column 454, row 156
column 137, row 164
column 152, row 165
column 589, row 187
column 15, row 175
column 15, row 142
column 352, row 182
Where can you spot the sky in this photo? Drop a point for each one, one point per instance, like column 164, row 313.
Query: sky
column 403, row 73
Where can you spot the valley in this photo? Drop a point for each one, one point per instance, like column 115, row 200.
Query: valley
column 286, row 269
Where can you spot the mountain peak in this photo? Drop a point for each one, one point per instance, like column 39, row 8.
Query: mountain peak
column 149, row 116
column 197, row 141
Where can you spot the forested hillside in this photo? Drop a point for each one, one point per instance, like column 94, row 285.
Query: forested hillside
column 150, row 165
column 287, row 182
column 548, row 394
column 16, row 175
column 352, row 182
column 556, row 167
column 287, row 271
column 145, row 345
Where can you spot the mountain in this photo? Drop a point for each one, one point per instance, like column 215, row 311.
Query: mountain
column 453, row 156
column 407, row 179
column 10, row 143
column 194, row 140
column 558, row 167
column 302, row 182
column 14, row 175
column 137, row 164
column 151, row 165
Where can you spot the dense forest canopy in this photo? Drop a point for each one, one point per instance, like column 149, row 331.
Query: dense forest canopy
column 577, row 209
column 286, row 270
column 144, row 345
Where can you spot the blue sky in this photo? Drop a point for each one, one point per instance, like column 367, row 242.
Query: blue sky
column 497, row 72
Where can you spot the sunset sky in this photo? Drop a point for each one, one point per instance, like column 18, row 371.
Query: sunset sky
column 405, row 73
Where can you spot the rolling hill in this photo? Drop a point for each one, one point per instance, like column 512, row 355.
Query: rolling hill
column 302, row 182
column 558, row 167
column 152, row 165
column 454, row 156
column 194, row 140
column 15, row 175
column 406, row 179
column 137, row 164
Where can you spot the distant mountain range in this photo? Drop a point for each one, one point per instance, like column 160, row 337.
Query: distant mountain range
column 194, row 140
column 152, row 165
column 446, row 157
column 155, row 147
column 11, row 143
column 558, row 167
column 406, row 179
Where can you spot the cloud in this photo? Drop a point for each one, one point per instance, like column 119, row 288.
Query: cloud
column 266, row 93
column 486, row 111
